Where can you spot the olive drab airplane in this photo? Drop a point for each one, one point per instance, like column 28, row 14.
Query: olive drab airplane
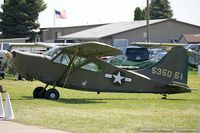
column 80, row 67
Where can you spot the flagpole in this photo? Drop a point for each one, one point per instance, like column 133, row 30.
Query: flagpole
column 54, row 17
column 148, row 36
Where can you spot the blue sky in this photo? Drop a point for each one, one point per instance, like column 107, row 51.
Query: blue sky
column 81, row 12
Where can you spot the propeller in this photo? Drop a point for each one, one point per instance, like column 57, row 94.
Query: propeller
column 9, row 55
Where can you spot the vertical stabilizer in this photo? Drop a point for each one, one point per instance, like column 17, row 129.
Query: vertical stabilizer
column 173, row 67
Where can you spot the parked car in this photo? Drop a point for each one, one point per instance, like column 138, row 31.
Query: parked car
column 137, row 54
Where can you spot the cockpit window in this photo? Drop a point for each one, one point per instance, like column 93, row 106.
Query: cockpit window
column 57, row 56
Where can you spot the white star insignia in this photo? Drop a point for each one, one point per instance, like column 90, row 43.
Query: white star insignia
column 118, row 78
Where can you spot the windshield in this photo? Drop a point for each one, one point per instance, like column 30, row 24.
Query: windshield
column 51, row 53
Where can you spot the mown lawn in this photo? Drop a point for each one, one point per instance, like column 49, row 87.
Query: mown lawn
column 87, row 112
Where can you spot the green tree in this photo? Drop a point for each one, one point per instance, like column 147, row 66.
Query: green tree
column 138, row 14
column 160, row 9
column 19, row 18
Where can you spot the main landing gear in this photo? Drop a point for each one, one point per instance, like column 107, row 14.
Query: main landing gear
column 41, row 92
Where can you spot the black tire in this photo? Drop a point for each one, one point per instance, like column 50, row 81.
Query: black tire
column 39, row 92
column 52, row 94
column 2, row 75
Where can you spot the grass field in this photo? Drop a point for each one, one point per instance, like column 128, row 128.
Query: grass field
column 87, row 112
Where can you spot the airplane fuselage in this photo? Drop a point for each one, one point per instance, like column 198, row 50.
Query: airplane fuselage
column 105, row 78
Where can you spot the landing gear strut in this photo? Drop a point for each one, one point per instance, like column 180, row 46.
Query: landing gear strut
column 164, row 96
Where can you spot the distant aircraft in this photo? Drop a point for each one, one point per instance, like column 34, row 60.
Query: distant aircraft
column 194, row 54
column 79, row 67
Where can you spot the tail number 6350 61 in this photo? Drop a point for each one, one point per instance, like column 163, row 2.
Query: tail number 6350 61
column 166, row 73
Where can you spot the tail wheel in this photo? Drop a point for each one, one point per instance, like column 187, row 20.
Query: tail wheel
column 164, row 96
column 52, row 94
column 39, row 92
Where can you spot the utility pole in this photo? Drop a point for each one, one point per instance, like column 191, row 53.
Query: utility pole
column 148, row 36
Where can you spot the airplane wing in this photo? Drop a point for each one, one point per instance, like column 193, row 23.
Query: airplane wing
column 87, row 49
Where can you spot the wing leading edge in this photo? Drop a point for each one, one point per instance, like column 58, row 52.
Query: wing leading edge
column 88, row 49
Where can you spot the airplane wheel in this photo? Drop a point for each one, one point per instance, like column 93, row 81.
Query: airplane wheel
column 52, row 94
column 164, row 98
column 39, row 92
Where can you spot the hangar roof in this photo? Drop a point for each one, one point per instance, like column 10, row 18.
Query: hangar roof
column 110, row 29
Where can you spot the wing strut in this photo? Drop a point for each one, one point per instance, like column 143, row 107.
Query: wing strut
column 69, row 67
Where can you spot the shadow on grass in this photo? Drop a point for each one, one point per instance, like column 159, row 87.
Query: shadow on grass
column 79, row 101
column 106, row 100
column 99, row 100
column 83, row 100
column 67, row 101
column 176, row 99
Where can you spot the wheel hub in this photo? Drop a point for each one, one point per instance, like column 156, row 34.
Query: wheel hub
column 52, row 95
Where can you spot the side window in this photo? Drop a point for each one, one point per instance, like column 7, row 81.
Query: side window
column 91, row 67
column 79, row 61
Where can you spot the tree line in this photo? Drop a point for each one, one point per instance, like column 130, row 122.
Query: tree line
column 19, row 18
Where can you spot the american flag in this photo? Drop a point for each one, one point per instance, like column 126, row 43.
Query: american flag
column 60, row 14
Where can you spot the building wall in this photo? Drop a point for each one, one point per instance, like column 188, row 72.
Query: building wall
column 160, row 32
column 132, row 35
column 107, row 40
column 165, row 31
column 50, row 34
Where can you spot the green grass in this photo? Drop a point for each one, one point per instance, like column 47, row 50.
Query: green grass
column 87, row 112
